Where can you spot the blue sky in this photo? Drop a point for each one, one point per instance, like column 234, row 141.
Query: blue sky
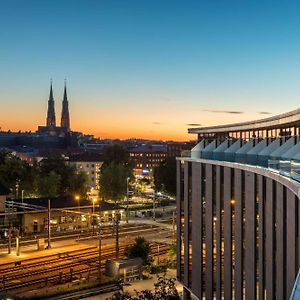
column 148, row 68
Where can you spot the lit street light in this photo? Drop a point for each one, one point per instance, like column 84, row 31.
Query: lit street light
column 77, row 198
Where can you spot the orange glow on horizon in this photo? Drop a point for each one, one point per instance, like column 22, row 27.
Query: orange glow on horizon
column 112, row 133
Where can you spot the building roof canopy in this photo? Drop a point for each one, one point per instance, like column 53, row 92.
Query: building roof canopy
column 291, row 119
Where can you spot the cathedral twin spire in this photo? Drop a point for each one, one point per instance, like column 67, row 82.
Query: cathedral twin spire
column 65, row 117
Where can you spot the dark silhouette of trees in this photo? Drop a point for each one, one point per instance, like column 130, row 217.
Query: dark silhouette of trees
column 116, row 168
column 52, row 177
column 141, row 248
column 164, row 289
column 165, row 176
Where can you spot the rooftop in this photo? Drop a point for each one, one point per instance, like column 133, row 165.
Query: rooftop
column 67, row 202
column 150, row 148
column 291, row 119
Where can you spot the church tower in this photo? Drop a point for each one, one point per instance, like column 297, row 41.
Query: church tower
column 51, row 110
column 65, row 117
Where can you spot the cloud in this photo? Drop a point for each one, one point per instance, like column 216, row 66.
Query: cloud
column 264, row 113
column 224, row 111
column 194, row 124
column 157, row 123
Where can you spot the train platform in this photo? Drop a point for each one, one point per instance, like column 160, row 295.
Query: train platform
column 31, row 252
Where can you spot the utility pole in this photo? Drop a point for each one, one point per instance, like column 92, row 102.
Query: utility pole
column 18, row 242
column 49, row 225
column 154, row 204
column 100, row 254
column 117, row 234
column 9, row 239
column 127, row 199
column 94, row 200
column 22, row 198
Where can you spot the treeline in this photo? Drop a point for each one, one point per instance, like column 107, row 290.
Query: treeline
column 117, row 167
column 52, row 177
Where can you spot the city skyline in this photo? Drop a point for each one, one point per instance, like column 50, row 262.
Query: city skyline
column 162, row 66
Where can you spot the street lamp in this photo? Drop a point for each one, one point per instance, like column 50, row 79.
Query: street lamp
column 94, row 201
column 127, row 198
column 77, row 198
column 49, row 225
column 22, row 197
column 99, row 250
column 153, row 204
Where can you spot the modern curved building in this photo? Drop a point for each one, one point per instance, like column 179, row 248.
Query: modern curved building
column 238, row 210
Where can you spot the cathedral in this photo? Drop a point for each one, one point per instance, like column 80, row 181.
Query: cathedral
column 51, row 128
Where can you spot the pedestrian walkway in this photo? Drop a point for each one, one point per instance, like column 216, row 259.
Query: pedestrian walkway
column 31, row 252
column 141, row 285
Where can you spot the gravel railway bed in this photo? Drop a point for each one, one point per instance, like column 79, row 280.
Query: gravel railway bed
column 85, row 263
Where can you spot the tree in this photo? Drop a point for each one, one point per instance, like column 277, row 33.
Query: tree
column 79, row 184
column 173, row 251
column 70, row 181
column 116, row 168
column 164, row 289
column 112, row 181
column 141, row 248
column 16, row 173
column 48, row 185
column 165, row 176
column 116, row 154
column 58, row 165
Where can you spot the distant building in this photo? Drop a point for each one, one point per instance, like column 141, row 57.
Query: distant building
column 49, row 137
column 90, row 164
column 51, row 129
column 147, row 157
column 64, row 214
column 175, row 149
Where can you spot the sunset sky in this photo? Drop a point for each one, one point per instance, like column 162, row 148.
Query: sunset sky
column 145, row 68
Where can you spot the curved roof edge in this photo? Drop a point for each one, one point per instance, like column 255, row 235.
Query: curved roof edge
column 288, row 118
column 290, row 183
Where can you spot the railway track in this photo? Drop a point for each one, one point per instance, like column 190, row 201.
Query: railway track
column 107, row 231
column 51, row 272
column 88, row 293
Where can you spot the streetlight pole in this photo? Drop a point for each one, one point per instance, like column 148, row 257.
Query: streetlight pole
column 17, row 187
column 117, row 234
column 127, row 199
column 154, row 204
column 18, row 242
column 100, row 245
column 49, row 225
column 94, row 200
column 77, row 197
column 22, row 197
